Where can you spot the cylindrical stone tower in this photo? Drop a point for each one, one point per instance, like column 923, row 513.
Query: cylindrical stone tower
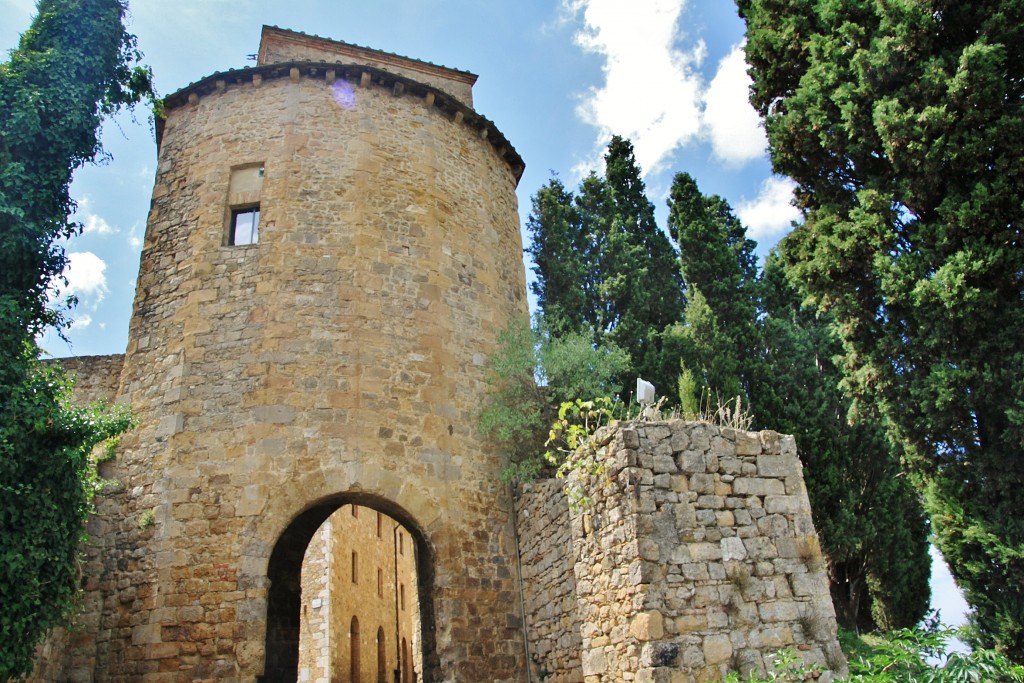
column 332, row 249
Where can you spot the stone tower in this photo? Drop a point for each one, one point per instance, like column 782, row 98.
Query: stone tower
column 332, row 249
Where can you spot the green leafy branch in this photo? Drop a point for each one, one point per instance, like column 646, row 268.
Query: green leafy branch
column 570, row 441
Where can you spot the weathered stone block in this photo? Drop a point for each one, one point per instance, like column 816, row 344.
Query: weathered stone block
column 777, row 466
column 732, row 549
column 717, row 649
column 782, row 504
column 647, row 625
column 664, row 464
column 750, row 486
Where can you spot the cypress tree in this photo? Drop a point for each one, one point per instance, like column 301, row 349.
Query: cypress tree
column 604, row 266
column 870, row 520
column 901, row 124
column 718, row 265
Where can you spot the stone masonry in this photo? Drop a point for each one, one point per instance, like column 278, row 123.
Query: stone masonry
column 338, row 359
column 695, row 555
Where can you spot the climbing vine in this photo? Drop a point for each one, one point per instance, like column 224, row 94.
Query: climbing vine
column 73, row 66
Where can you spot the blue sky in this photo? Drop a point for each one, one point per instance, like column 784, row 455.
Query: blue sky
column 558, row 78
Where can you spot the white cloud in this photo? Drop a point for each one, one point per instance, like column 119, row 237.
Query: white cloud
column 85, row 274
column 134, row 240
column 946, row 595
column 92, row 224
column 83, row 320
column 731, row 122
column 96, row 225
column 651, row 91
column 772, row 212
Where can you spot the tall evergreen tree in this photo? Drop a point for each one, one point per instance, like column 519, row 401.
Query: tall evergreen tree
column 642, row 284
column 869, row 518
column 73, row 66
column 615, row 272
column 562, row 259
column 902, row 123
column 719, row 267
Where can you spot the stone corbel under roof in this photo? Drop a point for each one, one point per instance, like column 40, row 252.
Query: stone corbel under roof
column 358, row 74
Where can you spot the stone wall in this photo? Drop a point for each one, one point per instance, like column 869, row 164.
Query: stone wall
column 96, row 377
column 315, row 637
column 695, row 556
column 548, row 560
column 381, row 596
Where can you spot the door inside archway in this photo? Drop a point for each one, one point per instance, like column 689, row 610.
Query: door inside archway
column 359, row 595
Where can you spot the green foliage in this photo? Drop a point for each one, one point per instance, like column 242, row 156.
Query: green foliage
column 75, row 65
column 709, row 354
column 902, row 123
column 530, row 375
column 918, row 655
column 569, row 440
column 689, row 395
column 562, row 253
column 922, row 655
column 605, row 268
column 784, row 666
column 867, row 514
column 47, row 480
column 718, row 264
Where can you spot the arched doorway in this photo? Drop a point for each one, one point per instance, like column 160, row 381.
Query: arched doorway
column 347, row 577
column 407, row 665
column 354, row 669
column 382, row 656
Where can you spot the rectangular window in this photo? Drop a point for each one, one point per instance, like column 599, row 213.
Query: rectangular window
column 380, row 524
column 355, row 511
column 245, row 226
column 380, row 582
column 401, row 595
column 355, row 567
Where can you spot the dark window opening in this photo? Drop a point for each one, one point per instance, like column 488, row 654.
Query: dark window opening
column 245, row 226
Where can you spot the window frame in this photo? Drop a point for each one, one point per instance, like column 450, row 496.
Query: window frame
column 254, row 234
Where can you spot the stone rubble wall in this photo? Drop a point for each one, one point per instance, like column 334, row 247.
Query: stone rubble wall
column 96, row 377
column 315, row 625
column 546, row 549
column 695, row 555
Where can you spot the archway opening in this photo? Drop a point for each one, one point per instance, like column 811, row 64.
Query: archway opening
column 350, row 576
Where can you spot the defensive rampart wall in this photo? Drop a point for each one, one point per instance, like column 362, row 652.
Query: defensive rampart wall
column 693, row 555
